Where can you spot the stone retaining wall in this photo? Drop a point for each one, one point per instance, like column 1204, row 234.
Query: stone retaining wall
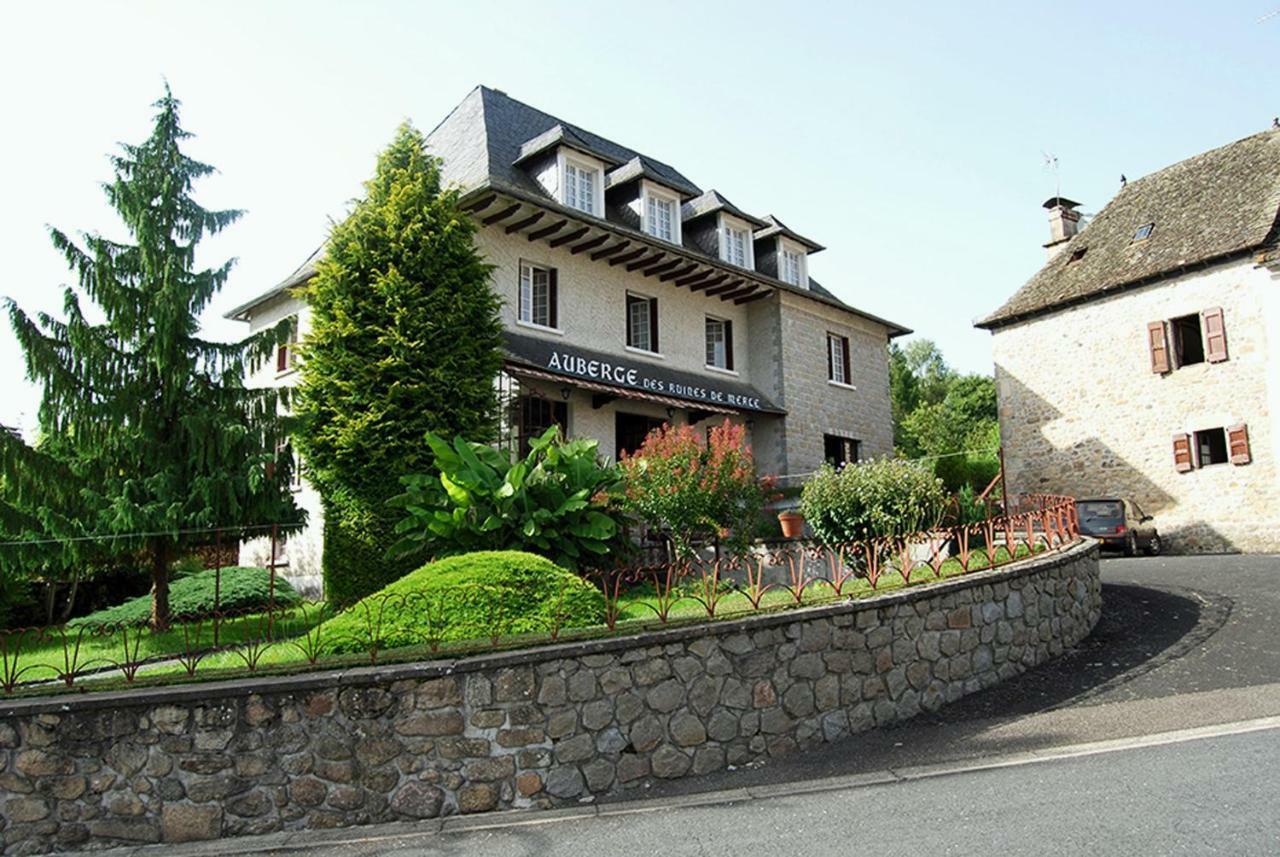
column 533, row 728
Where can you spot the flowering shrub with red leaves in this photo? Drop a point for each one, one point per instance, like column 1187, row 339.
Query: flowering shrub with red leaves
column 696, row 491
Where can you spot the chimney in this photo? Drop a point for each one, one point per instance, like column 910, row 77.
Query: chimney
column 1064, row 222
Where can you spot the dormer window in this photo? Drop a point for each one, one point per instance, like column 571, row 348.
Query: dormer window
column 660, row 218
column 582, row 186
column 791, row 264
column 735, row 243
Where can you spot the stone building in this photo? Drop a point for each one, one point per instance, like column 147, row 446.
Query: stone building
column 1143, row 360
column 632, row 297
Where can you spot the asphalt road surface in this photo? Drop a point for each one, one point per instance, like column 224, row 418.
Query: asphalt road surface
column 1187, row 649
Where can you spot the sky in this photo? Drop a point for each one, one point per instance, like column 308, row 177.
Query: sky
column 908, row 138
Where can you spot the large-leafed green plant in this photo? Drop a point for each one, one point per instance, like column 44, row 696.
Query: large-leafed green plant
column 555, row 502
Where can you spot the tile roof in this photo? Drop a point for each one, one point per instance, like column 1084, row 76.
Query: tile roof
column 1209, row 207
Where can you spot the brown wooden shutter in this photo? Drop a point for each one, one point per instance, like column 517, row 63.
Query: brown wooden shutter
column 1238, row 444
column 653, row 324
column 553, row 299
column 1182, row 452
column 728, row 344
column 1215, row 335
column 831, row 368
column 848, row 370
column 630, row 340
column 1158, row 341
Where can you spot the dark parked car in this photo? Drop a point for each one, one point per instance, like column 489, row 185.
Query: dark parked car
column 1118, row 523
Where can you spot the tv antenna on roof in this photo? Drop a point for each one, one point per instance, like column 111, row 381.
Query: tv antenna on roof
column 1051, row 163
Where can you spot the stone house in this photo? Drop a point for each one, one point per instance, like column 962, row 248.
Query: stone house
column 1143, row 360
column 632, row 297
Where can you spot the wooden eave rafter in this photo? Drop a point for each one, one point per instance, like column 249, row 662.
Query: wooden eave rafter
column 644, row 263
column 679, row 272
column 727, row 287
column 528, row 221
column 628, row 257
column 501, row 215
column 548, row 230
column 658, row 269
column 610, row 251
column 589, row 245
column 572, row 236
column 719, row 278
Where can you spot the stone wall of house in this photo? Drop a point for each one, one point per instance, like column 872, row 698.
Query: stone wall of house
column 532, row 728
column 1082, row 413
column 815, row 406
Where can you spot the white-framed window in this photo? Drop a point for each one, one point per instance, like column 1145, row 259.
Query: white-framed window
column 582, row 185
column 838, row 359
column 791, row 265
column 660, row 214
column 287, row 352
column 719, row 343
column 736, row 243
column 642, row 322
column 538, row 299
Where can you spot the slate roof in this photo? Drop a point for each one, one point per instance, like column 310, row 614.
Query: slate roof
column 1208, row 208
column 712, row 201
column 774, row 226
column 485, row 141
column 642, row 167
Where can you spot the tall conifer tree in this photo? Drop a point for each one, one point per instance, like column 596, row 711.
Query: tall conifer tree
column 405, row 339
column 155, row 420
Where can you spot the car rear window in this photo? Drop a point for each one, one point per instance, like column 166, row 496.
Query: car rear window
column 1100, row 510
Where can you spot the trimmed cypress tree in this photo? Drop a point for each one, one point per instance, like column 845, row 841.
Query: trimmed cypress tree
column 405, row 338
column 156, row 422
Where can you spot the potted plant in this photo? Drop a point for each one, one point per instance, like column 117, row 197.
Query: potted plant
column 792, row 523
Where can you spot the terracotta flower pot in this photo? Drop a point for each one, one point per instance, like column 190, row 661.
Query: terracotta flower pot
column 792, row 524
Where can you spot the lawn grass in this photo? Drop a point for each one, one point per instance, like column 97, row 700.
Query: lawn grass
column 186, row 652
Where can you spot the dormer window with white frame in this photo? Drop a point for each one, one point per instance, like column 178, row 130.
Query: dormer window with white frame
column 582, row 185
column 792, row 264
column 736, row 246
column 659, row 213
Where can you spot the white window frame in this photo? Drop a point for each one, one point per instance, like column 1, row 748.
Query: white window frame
column 726, row 345
column 802, row 262
column 648, row 328
column 583, row 164
column 526, row 320
column 728, row 222
column 833, row 352
column 649, row 190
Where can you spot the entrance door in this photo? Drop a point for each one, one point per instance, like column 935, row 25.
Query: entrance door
column 537, row 415
column 630, row 430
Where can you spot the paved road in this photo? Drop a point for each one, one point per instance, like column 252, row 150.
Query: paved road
column 1184, row 643
column 1205, row 797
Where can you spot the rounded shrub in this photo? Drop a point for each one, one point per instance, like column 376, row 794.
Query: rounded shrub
column 470, row 596
column 241, row 590
column 886, row 498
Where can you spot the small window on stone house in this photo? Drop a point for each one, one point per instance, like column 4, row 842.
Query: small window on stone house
column 1188, row 346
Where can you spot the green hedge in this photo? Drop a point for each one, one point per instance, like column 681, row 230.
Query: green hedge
column 242, row 589
column 469, row 596
column 355, row 561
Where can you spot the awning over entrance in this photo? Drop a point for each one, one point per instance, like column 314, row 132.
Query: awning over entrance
column 608, row 375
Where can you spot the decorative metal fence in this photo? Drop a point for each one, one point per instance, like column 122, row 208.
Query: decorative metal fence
column 405, row 626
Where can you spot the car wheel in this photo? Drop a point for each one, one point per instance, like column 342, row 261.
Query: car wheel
column 1131, row 545
column 1153, row 546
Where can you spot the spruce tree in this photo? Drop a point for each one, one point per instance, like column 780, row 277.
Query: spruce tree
column 405, row 338
column 156, row 422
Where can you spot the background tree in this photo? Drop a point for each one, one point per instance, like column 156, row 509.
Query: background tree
column 405, row 338
column 154, row 426
column 942, row 415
